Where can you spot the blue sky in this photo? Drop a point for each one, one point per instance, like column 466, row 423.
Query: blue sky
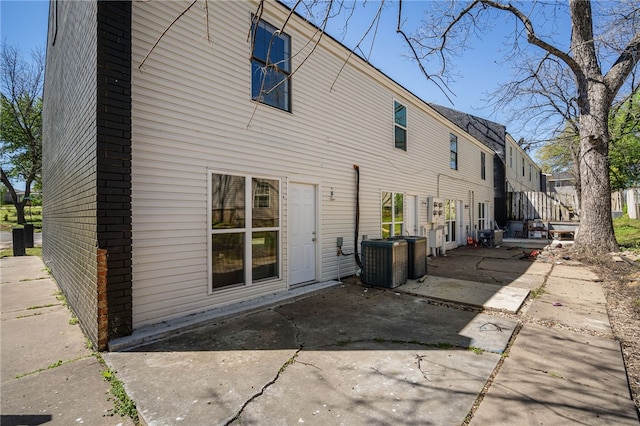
column 24, row 25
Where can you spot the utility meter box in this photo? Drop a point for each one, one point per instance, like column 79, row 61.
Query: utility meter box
column 435, row 211
column 436, row 238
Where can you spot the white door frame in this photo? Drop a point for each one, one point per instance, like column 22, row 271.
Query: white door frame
column 412, row 213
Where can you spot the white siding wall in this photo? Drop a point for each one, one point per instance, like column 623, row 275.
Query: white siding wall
column 192, row 112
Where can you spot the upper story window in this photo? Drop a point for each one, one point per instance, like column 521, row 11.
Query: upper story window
column 530, row 173
column 483, row 166
column 453, row 148
column 510, row 157
column 400, row 125
column 270, row 66
column 522, row 167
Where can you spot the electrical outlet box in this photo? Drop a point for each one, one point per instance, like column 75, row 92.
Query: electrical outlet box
column 339, row 242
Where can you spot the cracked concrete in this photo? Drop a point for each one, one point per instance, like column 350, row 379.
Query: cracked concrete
column 357, row 356
column 348, row 354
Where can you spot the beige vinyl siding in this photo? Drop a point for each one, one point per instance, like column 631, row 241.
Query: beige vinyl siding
column 192, row 113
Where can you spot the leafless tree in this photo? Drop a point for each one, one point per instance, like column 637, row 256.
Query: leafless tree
column 605, row 36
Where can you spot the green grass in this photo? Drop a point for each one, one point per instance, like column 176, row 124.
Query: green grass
column 35, row 251
column 9, row 217
column 627, row 233
column 123, row 404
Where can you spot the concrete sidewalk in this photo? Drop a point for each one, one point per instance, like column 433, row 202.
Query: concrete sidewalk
column 347, row 355
column 48, row 375
column 569, row 373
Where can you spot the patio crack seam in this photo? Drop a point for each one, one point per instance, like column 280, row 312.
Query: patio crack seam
column 265, row 387
column 271, row 382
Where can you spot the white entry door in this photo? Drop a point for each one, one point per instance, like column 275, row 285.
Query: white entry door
column 411, row 226
column 302, row 233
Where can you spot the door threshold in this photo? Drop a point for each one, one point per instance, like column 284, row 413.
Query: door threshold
column 302, row 284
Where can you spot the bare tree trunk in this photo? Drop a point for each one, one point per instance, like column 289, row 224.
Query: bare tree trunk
column 596, row 234
column 14, row 198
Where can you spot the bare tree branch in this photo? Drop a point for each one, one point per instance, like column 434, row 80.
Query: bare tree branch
column 441, row 85
column 165, row 32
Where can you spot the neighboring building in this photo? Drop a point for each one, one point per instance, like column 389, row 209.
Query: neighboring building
column 513, row 169
column 562, row 183
column 177, row 180
column 522, row 173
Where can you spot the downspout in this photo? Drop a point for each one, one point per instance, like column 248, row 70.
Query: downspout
column 355, row 245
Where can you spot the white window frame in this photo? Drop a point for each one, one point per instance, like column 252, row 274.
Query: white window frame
column 248, row 231
column 281, row 69
column 453, row 138
column 511, row 156
column 393, row 222
column 452, row 222
column 400, row 126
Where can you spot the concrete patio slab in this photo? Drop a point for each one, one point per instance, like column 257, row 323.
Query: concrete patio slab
column 571, row 313
column 553, row 377
column 316, row 350
column 487, row 296
column 17, row 269
column 37, row 293
column 24, row 337
column 71, row 394
column 374, row 383
column 575, row 303
column 515, row 266
column 530, row 282
column 574, row 272
column 581, row 290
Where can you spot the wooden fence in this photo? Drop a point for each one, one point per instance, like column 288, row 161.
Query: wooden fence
column 548, row 206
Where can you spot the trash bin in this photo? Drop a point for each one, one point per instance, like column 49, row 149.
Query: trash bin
column 385, row 262
column 18, row 242
column 417, row 255
column 28, row 235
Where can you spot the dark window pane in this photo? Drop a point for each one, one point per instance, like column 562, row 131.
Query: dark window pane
column 269, row 86
column 266, row 199
column 398, row 206
column 261, row 42
column 386, row 230
column 227, row 202
column 400, row 114
column 386, row 207
column 401, row 138
column 228, row 259
column 264, row 249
